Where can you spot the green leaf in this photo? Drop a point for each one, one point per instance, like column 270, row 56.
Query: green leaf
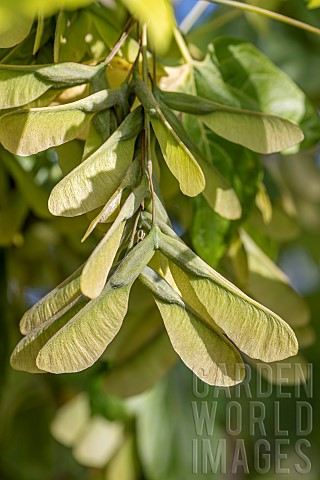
column 80, row 343
column 255, row 330
column 52, row 303
column 257, row 131
column 210, row 233
column 25, row 353
column 35, row 195
column 268, row 284
column 92, row 183
column 16, row 30
column 29, row 131
column 39, row 33
column 204, row 350
column 159, row 18
column 12, row 217
column 260, row 85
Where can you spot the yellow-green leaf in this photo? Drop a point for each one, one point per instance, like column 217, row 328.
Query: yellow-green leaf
column 19, row 86
column 159, row 18
column 257, row 131
column 256, row 330
column 260, row 132
column 97, row 267
column 93, row 182
column 130, row 180
column 179, row 159
column 52, row 303
column 80, row 343
column 208, row 353
column 177, row 155
column 219, row 194
column 29, row 131
column 17, row 29
column 24, row 355
column 313, row 3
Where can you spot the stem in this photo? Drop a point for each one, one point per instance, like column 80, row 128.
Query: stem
column 182, row 46
column 134, row 229
column 144, row 54
column 147, row 130
column 268, row 13
column 123, row 37
column 154, row 69
column 192, row 17
column 152, row 190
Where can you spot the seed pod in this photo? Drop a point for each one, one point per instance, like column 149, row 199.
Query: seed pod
column 208, row 353
column 256, row 330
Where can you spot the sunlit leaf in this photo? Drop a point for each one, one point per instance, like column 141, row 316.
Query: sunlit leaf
column 204, row 350
column 25, row 353
column 16, row 30
column 178, row 157
column 19, row 86
column 80, row 343
column 255, row 330
column 218, row 193
column 260, row 83
column 159, row 18
column 257, row 131
column 97, row 267
column 52, row 303
column 179, row 160
column 313, row 3
column 92, row 183
column 82, row 340
column 29, row 131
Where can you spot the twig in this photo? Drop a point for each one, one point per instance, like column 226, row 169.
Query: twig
column 268, row 13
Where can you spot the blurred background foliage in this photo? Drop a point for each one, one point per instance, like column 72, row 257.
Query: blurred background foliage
column 69, row 427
